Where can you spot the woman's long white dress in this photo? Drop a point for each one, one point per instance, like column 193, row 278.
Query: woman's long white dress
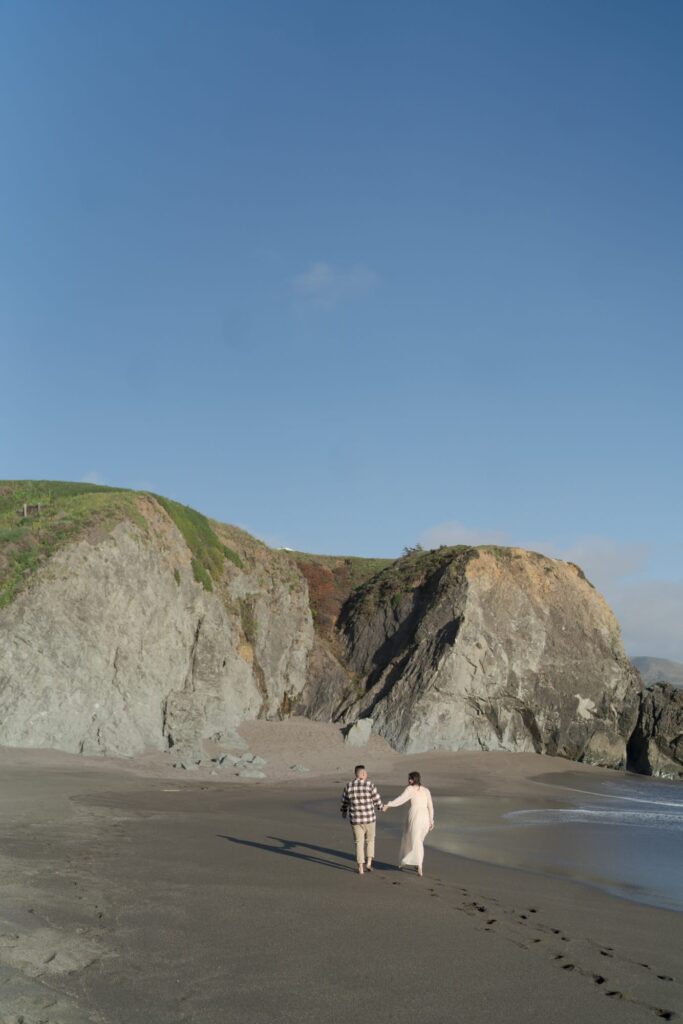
column 418, row 823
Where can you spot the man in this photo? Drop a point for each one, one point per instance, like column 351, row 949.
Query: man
column 361, row 801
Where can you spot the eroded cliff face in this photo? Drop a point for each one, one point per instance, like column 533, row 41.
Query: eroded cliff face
column 114, row 648
column 118, row 645
column 656, row 745
column 497, row 649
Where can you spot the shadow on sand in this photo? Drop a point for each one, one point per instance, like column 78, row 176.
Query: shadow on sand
column 291, row 848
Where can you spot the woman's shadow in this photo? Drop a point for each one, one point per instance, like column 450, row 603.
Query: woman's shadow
column 290, row 847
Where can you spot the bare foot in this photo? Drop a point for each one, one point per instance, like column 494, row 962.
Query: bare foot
column 360, row 869
column 419, row 872
column 368, row 866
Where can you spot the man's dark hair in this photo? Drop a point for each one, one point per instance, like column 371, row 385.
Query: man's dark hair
column 358, row 768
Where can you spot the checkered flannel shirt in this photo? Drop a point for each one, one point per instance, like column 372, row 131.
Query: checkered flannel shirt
column 362, row 800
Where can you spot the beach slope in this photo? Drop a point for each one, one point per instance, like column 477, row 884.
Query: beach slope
column 129, row 897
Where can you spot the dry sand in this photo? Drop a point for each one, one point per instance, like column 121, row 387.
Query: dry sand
column 134, row 893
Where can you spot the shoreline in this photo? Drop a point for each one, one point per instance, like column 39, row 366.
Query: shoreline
column 131, row 896
column 583, row 842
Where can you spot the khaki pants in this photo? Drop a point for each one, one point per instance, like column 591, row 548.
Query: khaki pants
column 365, row 840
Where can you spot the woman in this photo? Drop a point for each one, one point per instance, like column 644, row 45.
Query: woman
column 419, row 822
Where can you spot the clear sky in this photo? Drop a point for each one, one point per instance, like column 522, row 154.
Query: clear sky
column 356, row 275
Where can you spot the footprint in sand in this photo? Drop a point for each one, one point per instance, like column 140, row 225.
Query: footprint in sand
column 599, row 980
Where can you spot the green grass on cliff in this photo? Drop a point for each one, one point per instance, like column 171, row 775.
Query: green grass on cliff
column 68, row 510
column 411, row 571
column 359, row 570
column 208, row 552
column 71, row 510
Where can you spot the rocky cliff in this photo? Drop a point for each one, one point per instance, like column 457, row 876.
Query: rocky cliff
column 492, row 649
column 121, row 641
column 130, row 623
column 656, row 744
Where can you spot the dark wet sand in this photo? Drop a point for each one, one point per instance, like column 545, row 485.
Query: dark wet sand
column 127, row 899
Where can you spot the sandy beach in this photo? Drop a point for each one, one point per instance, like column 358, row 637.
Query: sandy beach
column 134, row 893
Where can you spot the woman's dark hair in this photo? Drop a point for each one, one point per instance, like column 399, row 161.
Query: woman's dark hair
column 415, row 778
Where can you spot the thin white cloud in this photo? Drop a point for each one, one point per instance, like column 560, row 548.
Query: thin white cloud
column 324, row 286
column 605, row 562
column 93, row 477
column 651, row 616
column 649, row 611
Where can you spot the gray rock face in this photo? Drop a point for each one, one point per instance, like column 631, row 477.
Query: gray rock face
column 327, row 684
column 491, row 650
column 106, row 653
column 656, row 745
column 358, row 734
column 113, row 648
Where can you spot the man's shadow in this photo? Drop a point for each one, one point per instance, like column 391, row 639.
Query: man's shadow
column 288, row 849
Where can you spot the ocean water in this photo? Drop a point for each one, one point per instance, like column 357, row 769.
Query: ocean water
column 623, row 835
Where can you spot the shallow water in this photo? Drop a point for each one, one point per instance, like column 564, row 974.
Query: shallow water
column 623, row 835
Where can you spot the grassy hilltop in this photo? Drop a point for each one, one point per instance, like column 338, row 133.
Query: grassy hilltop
column 68, row 511
column 71, row 511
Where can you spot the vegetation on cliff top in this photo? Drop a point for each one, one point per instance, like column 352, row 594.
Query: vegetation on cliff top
column 70, row 510
column 411, row 571
column 67, row 511
column 356, row 570
column 331, row 580
column 60, row 513
column 208, row 552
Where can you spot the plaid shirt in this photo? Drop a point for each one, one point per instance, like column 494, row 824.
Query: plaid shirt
column 362, row 799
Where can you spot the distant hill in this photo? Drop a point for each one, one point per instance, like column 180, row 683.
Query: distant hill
column 659, row 670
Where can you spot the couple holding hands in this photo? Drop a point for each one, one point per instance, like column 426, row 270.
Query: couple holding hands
column 361, row 801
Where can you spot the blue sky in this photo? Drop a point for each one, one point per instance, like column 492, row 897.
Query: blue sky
column 356, row 275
